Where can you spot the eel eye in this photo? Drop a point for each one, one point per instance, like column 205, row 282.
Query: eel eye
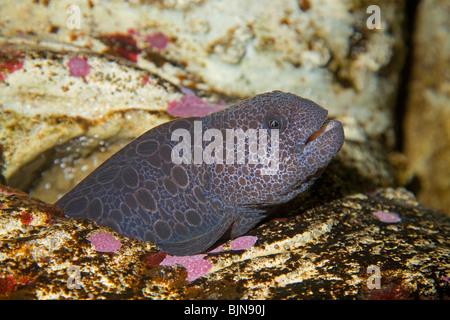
column 275, row 122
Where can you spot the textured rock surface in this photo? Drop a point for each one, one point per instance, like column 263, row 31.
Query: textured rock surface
column 311, row 250
column 43, row 106
column 240, row 48
column 427, row 125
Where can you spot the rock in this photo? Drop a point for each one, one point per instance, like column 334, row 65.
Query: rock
column 239, row 48
column 48, row 114
column 325, row 245
column 426, row 126
column 52, row 248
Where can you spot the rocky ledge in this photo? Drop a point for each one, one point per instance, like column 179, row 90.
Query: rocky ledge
column 325, row 245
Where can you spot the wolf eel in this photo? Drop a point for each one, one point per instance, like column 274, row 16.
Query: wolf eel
column 184, row 208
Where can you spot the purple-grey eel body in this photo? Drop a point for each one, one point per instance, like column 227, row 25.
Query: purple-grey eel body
column 184, row 208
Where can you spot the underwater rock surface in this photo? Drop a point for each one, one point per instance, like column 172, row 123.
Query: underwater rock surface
column 335, row 249
column 44, row 106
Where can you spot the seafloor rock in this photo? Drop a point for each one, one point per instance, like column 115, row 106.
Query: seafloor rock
column 46, row 103
column 427, row 125
column 329, row 244
column 325, row 50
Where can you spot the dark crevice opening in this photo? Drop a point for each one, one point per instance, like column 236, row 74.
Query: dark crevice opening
column 405, row 75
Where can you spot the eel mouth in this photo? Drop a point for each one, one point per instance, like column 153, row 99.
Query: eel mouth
column 323, row 128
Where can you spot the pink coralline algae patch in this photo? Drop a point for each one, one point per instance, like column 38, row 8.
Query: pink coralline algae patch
column 7, row 285
column 217, row 249
column 133, row 32
column 9, row 190
column 195, row 265
column 154, row 259
column 124, row 45
column 10, row 61
column 145, row 80
column 104, row 242
column 78, row 67
column 243, row 243
column 157, row 40
column 387, row 217
column 281, row 219
column 26, row 218
column 192, row 106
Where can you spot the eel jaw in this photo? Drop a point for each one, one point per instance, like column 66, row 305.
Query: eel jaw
column 318, row 132
column 329, row 137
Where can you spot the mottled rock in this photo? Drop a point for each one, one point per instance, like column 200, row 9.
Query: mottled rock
column 427, row 125
column 51, row 250
column 49, row 118
column 239, row 48
column 325, row 245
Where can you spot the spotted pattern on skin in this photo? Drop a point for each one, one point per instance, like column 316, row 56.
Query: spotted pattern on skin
column 185, row 208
